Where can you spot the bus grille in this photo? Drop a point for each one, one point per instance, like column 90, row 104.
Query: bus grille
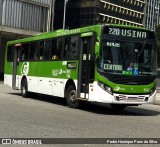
column 130, row 98
column 130, row 80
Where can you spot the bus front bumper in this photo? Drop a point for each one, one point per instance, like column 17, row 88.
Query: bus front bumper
column 97, row 94
column 134, row 99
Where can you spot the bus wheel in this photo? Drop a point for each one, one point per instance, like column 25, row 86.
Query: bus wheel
column 118, row 107
column 71, row 97
column 24, row 88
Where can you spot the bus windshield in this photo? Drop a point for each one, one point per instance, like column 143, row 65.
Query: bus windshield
column 127, row 57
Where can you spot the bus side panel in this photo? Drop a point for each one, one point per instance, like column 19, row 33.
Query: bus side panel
column 53, row 75
column 8, row 80
column 8, row 73
column 48, row 77
column 58, row 88
column 32, row 84
column 97, row 94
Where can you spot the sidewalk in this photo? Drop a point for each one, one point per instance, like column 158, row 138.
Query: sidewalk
column 157, row 102
column 1, row 82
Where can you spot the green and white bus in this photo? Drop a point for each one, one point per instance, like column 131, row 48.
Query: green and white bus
column 110, row 63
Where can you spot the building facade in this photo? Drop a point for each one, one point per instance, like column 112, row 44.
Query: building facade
column 127, row 12
column 88, row 12
column 23, row 18
column 79, row 13
column 152, row 14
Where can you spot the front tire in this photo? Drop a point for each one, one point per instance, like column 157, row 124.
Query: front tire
column 24, row 88
column 71, row 97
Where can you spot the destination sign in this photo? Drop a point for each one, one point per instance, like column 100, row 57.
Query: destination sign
column 112, row 67
column 127, row 33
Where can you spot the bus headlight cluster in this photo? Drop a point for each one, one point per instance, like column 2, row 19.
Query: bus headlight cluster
column 105, row 87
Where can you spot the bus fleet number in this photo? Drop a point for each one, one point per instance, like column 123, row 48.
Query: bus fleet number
column 114, row 31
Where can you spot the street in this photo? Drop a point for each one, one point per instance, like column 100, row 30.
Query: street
column 50, row 117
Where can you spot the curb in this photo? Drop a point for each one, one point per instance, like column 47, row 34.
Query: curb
column 157, row 103
column 158, row 97
column 157, row 100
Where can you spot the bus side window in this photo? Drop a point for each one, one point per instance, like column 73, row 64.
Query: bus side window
column 67, row 48
column 41, row 50
column 54, row 50
column 10, row 53
column 70, row 51
column 74, row 46
column 24, row 51
column 47, row 49
column 60, row 47
column 33, row 51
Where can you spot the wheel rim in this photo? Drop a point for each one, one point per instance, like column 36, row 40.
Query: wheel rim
column 72, row 96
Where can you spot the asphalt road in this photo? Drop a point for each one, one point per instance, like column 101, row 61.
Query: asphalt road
column 50, row 117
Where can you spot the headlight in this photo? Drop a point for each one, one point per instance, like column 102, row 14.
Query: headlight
column 105, row 87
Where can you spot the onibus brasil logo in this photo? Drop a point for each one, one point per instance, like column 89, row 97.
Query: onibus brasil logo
column 25, row 68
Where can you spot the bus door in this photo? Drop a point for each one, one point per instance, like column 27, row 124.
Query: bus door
column 86, row 66
column 15, row 77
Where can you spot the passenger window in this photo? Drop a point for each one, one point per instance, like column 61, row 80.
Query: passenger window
column 41, row 50
column 71, row 44
column 24, row 52
column 47, row 46
column 54, row 50
column 33, row 51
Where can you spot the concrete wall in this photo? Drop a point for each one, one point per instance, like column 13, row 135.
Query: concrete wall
column 24, row 15
column 23, row 18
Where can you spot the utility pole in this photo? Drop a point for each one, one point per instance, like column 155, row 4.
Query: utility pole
column 64, row 16
column 49, row 16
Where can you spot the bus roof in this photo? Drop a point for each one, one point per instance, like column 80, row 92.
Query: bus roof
column 61, row 32
column 56, row 33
